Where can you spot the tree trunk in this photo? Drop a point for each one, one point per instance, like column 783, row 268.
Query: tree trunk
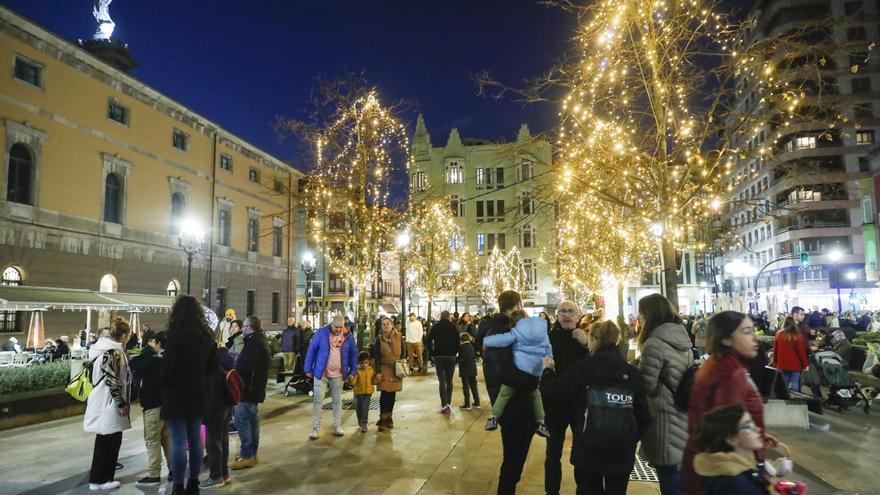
column 620, row 311
column 430, row 303
column 667, row 251
column 362, row 327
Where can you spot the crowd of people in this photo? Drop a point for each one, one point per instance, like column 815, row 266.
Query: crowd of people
column 698, row 421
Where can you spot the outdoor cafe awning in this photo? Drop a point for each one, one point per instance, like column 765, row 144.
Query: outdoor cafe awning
column 24, row 298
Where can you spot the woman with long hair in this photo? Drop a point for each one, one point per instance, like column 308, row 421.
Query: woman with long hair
column 603, row 450
column 790, row 354
column 386, row 352
column 107, row 409
column 188, row 360
column 666, row 354
column 723, row 380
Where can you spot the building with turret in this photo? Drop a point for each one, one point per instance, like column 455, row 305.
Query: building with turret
column 492, row 190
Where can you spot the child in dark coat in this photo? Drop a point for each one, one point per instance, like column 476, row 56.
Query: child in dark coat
column 467, row 370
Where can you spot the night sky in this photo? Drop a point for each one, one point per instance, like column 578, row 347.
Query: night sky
column 241, row 66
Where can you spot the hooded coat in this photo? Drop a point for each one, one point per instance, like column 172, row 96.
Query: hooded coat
column 110, row 373
column 728, row 473
column 530, row 344
column 665, row 356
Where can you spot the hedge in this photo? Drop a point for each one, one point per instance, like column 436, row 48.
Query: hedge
column 35, row 377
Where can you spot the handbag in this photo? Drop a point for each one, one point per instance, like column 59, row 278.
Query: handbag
column 400, row 368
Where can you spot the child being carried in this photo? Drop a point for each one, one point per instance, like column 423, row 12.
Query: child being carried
column 530, row 345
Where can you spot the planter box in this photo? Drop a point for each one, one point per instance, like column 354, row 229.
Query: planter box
column 37, row 407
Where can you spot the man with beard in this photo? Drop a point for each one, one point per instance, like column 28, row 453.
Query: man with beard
column 569, row 346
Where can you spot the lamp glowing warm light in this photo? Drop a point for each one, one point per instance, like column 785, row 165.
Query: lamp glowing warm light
column 835, row 255
column 851, row 275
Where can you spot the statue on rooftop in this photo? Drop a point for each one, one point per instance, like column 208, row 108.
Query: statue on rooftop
column 101, row 11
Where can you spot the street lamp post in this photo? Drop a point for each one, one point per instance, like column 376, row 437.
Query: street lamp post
column 191, row 239
column 851, row 276
column 835, row 258
column 704, row 285
column 403, row 240
column 308, row 267
column 455, row 267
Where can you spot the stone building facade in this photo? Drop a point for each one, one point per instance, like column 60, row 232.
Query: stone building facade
column 99, row 171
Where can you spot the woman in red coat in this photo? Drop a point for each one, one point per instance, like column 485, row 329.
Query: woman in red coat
column 721, row 381
column 790, row 354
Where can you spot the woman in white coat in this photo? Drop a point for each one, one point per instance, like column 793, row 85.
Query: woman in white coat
column 108, row 404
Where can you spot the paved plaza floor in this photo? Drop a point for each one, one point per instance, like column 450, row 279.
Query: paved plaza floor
column 426, row 453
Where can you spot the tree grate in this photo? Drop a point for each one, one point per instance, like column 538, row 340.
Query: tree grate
column 642, row 471
column 348, row 404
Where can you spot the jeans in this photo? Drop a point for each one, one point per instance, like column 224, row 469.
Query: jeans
column 590, row 483
column 104, row 457
column 469, row 386
column 792, row 380
column 320, row 389
column 217, row 441
column 445, row 373
column 386, row 402
column 362, row 407
column 558, row 420
column 185, row 432
column 670, row 479
column 158, row 439
column 248, row 425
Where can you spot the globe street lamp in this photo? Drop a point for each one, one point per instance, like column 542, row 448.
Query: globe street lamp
column 308, row 267
column 455, row 267
column 403, row 240
column 190, row 238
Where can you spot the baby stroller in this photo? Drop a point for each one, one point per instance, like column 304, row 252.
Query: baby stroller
column 299, row 382
column 845, row 392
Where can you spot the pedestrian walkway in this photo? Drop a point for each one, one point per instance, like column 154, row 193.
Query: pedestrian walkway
column 427, row 453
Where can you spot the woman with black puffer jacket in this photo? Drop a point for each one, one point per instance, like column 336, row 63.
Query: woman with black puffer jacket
column 612, row 412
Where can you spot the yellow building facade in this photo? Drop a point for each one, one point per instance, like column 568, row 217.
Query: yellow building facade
column 99, row 171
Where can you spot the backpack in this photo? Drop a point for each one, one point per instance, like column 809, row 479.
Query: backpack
column 610, row 421
column 80, row 386
column 681, row 396
column 234, row 385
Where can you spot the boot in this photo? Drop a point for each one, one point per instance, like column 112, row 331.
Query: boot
column 381, row 422
column 192, row 487
column 389, row 423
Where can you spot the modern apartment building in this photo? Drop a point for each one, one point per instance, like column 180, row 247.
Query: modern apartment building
column 99, row 172
column 806, row 198
column 492, row 191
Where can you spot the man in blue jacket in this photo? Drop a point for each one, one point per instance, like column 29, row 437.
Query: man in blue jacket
column 330, row 360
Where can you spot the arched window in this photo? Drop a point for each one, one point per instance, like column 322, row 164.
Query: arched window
column 18, row 178
column 177, row 206
column 9, row 320
column 113, row 199
column 108, row 283
column 173, row 288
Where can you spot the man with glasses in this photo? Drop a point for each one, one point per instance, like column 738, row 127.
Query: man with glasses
column 569, row 345
column 252, row 365
column 331, row 359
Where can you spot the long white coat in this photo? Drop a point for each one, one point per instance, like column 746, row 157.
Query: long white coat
column 102, row 416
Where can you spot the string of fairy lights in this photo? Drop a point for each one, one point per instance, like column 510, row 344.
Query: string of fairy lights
column 653, row 131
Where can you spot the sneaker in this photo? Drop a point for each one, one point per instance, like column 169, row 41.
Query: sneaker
column 476, row 406
column 227, row 480
column 232, row 429
column 337, row 431
column 119, row 466
column 492, row 423
column 212, row 483
column 465, row 407
column 541, row 430
column 149, row 481
column 242, row 463
column 314, row 434
column 363, row 428
column 110, row 485
column 447, row 409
